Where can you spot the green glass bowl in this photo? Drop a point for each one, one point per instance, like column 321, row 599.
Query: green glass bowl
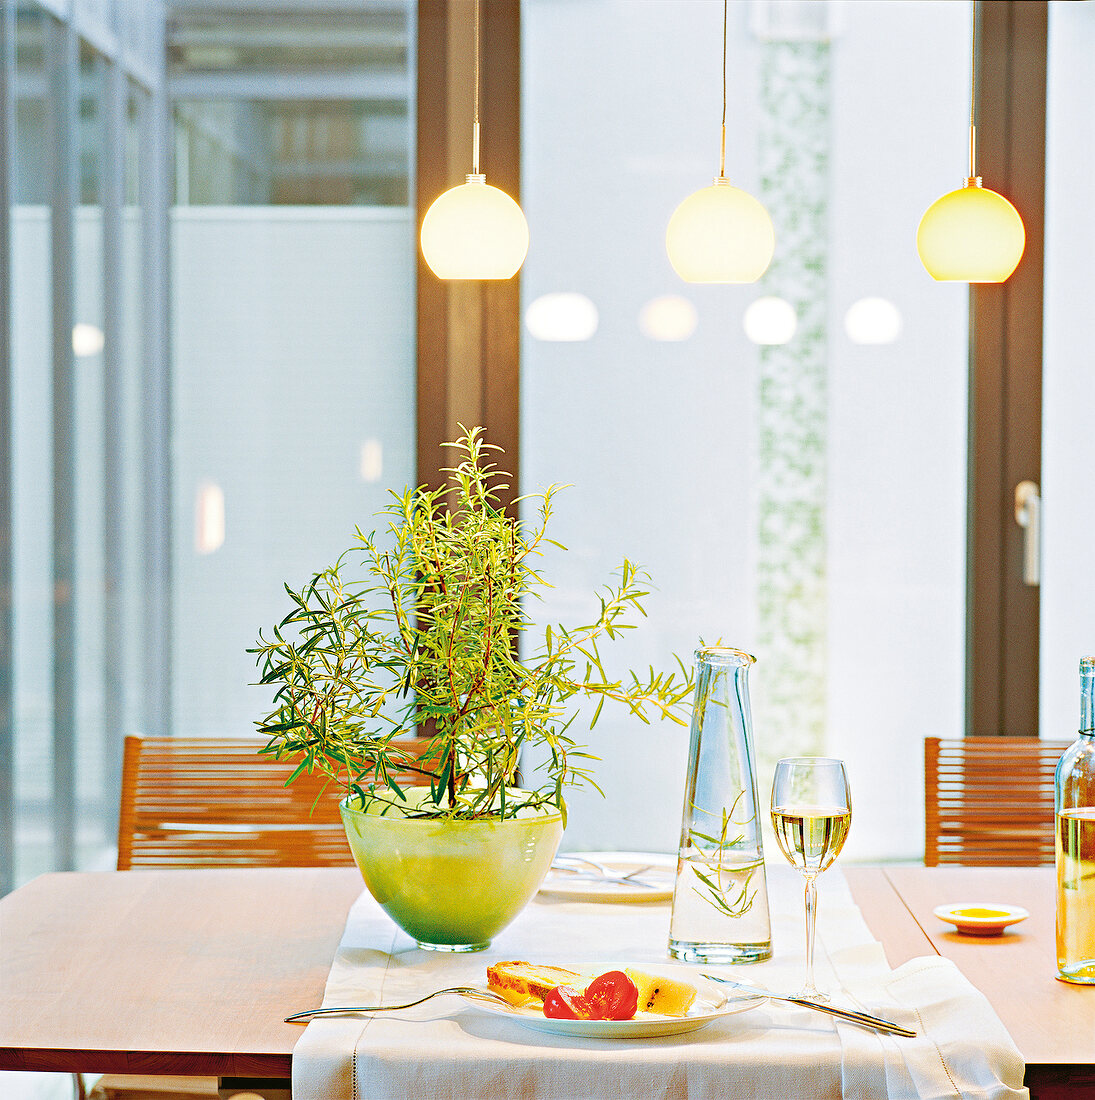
column 452, row 885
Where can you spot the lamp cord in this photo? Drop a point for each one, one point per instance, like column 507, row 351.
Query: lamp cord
column 973, row 91
column 475, row 101
column 722, row 148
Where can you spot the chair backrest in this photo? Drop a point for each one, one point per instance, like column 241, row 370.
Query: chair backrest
column 989, row 800
column 217, row 802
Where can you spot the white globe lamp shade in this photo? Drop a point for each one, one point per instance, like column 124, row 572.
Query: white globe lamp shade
column 972, row 235
column 720, row 234
column 474, row 231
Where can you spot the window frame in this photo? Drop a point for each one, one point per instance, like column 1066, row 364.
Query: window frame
column 1005, row 406
column 468, row 333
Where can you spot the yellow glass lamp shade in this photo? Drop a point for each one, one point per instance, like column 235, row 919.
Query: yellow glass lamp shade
column 972, row 235
column 474, row 231
column 720, row 234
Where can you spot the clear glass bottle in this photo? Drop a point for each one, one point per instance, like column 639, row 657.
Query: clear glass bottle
column 720, row 898
column 1074, row 805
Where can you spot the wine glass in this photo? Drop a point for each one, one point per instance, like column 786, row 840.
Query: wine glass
column 811, row 812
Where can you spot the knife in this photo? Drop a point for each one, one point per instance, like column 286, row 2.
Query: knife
column 848, row 1014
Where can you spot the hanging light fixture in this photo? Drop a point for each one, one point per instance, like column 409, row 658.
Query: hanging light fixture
column 972, row 235
column 474, row 231
column 720, row 234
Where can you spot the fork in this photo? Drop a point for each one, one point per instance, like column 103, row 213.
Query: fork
column 861, row 1018
column 600, row 873
column 462, row 990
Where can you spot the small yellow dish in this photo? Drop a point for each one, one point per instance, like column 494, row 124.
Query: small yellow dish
column 980, row 918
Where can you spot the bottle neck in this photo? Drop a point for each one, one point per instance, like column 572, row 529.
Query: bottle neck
column 1087, row 697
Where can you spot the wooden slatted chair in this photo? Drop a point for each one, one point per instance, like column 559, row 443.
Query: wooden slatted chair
column 217, row 802
column 989, row 800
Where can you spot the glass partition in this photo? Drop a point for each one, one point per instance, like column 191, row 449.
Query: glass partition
column 292, row 334
column 293, row 107
column 32, row 325
column 291, row 403
column 67, row 587
column 95, row 806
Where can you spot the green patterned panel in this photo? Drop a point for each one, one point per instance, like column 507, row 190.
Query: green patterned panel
column 791, row 577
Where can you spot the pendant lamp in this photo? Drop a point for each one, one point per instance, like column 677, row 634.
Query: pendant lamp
column 474, row 231
column 720, row 234
column 972, row 235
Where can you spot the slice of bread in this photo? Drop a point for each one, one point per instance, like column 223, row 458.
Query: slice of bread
column 523, row 983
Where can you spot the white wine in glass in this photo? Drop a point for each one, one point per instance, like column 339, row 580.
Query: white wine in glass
column 811, row 813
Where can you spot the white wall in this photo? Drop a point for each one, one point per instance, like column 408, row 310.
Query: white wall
column 656, row 438
column 898, row 416
column 621, row 114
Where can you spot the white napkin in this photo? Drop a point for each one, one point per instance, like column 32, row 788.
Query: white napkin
column 448, row 1048
column 961, row 1048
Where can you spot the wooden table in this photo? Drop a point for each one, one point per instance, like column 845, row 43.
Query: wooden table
column 1051, row 1022
column 166, row 972
column 190, row 972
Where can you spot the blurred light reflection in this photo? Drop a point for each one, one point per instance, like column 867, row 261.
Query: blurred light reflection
column 372, row 460
column 770, row 321
column 87, row 340
column 670, row 317
column 563, row 316
column 872, row 321
column 209, row 531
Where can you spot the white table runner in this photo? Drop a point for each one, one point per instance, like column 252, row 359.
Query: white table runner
column 446, row 1049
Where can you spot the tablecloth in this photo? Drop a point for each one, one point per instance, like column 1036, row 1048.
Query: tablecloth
column 448, row 1049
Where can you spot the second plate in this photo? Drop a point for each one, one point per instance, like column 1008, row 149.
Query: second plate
column 602, row 877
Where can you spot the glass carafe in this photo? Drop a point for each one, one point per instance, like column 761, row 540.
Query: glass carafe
column 720, row 899
column 1074, row 805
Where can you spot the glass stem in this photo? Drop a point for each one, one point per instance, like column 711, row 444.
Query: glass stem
column 811, row 912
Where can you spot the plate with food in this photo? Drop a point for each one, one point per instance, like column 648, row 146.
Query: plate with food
column 978, row 918
column 611, row 876
column 608, row 1002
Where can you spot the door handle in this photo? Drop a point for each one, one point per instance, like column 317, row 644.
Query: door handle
column 1028, row 514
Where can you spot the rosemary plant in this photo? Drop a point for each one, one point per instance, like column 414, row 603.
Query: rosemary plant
column 427, row 635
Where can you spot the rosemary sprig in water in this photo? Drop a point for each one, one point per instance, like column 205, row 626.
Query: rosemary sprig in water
column 733, row 897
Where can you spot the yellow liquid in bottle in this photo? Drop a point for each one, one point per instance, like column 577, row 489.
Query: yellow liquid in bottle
column 1076, row 895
